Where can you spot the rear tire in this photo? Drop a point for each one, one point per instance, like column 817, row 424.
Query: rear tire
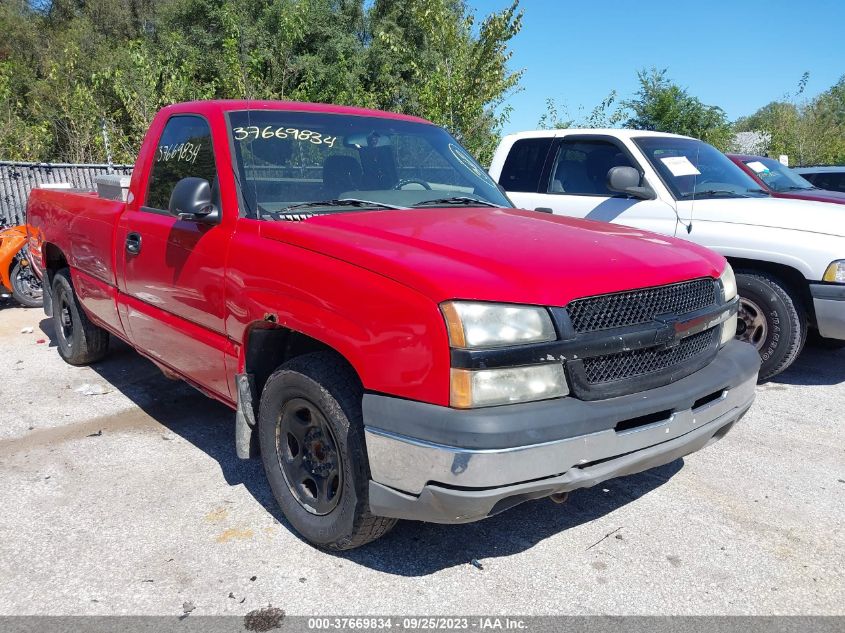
column 26, row 287
column 771, row 319
column 311, row 433
column 78, row 340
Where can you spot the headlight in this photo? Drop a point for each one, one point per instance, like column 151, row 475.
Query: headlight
column 489, row 387
column 728, row 282
column 835, row 272
column 473, row 325
column 729, row 292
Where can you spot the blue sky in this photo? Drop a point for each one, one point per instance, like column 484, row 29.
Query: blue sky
column 737, row 54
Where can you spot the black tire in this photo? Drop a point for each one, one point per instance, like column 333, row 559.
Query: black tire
column 78, row 340
column 26, row 287
column 784, row 330
column 321, row 380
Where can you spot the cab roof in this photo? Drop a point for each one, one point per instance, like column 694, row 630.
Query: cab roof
column 615, row 132
column 231, row 105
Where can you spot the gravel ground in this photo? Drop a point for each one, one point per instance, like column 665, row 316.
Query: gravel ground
column 122, row 495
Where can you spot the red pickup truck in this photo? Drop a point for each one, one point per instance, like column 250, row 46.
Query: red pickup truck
column 396, row 340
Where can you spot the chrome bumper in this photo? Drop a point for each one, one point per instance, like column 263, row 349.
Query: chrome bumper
column 408, row 465
column 420, row 479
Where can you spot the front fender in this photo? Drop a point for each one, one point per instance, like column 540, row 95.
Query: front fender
column 808, row 253
column 393, row 336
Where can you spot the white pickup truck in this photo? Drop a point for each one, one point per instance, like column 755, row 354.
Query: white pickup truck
column 789, row 255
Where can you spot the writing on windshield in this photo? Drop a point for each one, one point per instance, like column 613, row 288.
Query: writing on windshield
column 318, row 163
column 242, row 133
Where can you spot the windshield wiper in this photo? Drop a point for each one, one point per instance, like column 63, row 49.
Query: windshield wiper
column 342, row 202
column 797, row 188
column 711, row 193
column 758, row 190
column 465, row 200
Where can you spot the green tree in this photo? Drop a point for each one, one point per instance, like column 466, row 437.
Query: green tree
column 780, row 120
column 604, row 115
column 825, row 116
column 444, row 70
column 809, row 131
column 556, row 117
column 69, row 66
column 664, row 106
column 21, row 138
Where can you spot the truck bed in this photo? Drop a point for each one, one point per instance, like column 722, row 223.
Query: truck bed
column 82, row 226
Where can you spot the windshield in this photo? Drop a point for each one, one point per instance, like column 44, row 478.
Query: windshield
column 776, row 175
column 693, row 169
column 305, row 163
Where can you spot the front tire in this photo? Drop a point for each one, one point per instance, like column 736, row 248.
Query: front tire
column 78, row 340
column 311, row 434
column 771, row 319
column 26, row 287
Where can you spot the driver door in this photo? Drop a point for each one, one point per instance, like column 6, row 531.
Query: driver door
column 173, row 269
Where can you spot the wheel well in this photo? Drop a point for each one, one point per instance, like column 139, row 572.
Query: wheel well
column 267, row 348
column 54, row 260
column 796, row 282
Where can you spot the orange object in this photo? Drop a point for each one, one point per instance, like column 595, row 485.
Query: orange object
column 17, row 275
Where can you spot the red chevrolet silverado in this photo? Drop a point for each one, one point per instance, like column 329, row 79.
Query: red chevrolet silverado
column 396, row 340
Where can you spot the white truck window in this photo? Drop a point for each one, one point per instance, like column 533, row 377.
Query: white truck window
column 581, row 167
column 524, row 164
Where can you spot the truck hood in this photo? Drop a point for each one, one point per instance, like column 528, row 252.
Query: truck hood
column 780, row 213
column 505, row 255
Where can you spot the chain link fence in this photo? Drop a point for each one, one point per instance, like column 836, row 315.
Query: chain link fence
column 18, row 179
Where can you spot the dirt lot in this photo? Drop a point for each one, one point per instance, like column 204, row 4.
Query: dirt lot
column 121, row 494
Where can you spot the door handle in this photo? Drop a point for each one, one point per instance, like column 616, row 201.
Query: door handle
column 133, row 243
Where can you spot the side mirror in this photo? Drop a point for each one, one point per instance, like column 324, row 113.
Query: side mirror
column 627, row 180
column 191, row 200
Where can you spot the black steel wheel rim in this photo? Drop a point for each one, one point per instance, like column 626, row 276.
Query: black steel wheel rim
column 65, row 320
column 308, row 456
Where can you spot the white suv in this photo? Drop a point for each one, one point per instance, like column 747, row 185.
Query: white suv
column 789, row 255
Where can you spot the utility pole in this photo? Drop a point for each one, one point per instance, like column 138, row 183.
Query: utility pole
column 106, row 144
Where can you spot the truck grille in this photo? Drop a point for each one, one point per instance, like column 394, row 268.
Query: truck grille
column 613, row 367
column 640, row 306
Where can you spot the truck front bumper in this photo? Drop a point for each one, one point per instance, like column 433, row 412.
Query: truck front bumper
column 829, row 305
column 444, row 465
